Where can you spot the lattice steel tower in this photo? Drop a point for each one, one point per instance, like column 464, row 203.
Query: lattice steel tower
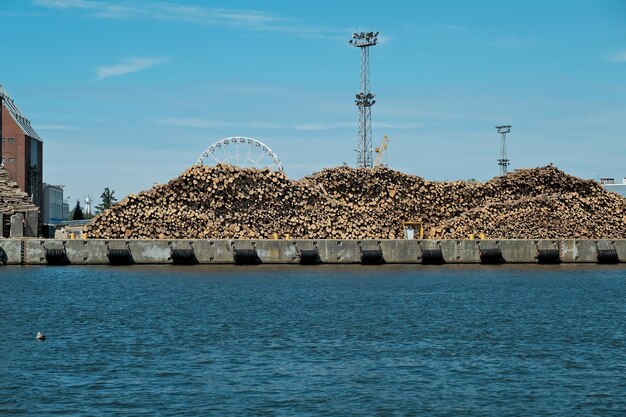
column 365, row 99
column 503, row 162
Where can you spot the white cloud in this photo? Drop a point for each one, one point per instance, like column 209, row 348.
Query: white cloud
column 241, row 19
column 126, row 67
column 619, row 57
column 383, row 125
column 384, row 39
column 60, row 127
column 66, row 4
column 160, row 11
column 210, row 124
column 453, row 28
column 514, row 42
column 323, row 126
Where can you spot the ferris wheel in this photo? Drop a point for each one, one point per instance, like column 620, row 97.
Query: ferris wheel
column 242, row 152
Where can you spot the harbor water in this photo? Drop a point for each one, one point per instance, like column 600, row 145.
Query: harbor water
column 318, row 341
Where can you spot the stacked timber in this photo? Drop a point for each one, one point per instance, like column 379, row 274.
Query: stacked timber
column 347, row 203
column 12, row 198
column 555, row 216
column 541, row 203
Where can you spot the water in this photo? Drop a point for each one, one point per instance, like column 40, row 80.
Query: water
column 319, row 341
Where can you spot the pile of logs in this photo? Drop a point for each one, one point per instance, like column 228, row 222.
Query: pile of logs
column 354, row 203
column 12, row 198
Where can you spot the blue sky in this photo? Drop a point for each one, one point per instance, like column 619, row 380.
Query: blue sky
column 126, row 94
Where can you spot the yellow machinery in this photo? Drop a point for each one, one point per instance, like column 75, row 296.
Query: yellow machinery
column 479, row 236
column 380, row 151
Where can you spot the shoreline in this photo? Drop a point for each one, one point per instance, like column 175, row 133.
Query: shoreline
column 34, row 251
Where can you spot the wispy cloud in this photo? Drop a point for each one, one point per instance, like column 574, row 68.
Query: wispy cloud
column 453, row 28
column 384, row 39
column 15, row 14
column 383, row 125
column 65, row 4
column 60, row 127
column 175, row 12
column 127, row 66
column 619, row 57
column 161, row 11
column 210, row 124
column 323, row 126
column 248, row 89
column 353, row 125
column 514, row 42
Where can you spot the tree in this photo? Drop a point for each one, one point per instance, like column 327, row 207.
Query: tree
column 78, row 214
column 108, row 199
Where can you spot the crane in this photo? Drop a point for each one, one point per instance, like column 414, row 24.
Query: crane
column 380, row 151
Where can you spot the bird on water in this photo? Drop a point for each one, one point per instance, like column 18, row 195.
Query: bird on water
column 40, row 336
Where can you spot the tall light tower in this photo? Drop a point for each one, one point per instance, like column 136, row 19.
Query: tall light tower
column 364, row 99
column 503, row 162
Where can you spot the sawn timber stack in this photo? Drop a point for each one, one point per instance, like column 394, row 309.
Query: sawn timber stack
column 356, row 203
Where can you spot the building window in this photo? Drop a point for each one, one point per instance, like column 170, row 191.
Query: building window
column 11, row 140
column 11, row 160
column 4, row 140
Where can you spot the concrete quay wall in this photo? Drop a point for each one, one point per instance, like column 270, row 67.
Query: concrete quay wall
column 33, row 251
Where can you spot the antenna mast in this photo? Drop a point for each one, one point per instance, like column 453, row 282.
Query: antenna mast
column 503, row 161
column 364, row 99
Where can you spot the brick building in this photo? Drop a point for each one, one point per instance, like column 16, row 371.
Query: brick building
column 21, row 149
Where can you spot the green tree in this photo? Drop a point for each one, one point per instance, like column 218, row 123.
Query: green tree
column 108, row 199
column 77, row 213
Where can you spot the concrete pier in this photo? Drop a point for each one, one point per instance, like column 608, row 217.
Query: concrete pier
column 32, row 251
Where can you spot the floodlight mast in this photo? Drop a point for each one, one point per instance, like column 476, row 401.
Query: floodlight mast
column 364, row 100
column 503, row 161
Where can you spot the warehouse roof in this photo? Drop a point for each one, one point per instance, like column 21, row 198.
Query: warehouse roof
column 15, row 113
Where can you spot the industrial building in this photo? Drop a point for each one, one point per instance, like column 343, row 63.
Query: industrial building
column 55, row 209
column 609, row 184
column 21, row 149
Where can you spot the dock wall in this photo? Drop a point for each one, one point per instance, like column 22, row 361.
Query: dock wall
column 32, row 251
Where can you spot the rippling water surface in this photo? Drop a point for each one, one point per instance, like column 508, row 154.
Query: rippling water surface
column 335, row 341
